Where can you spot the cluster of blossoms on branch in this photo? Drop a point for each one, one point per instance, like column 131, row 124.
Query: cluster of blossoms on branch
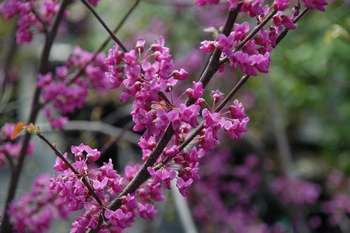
column 35, row 211
column 76, row 186
column 153, row 111
column 149, row 77
column 151, row 83
column 66, row 91
column 34, row 17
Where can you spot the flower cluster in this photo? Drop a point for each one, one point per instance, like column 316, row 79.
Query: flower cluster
column 34, row 17
column 11, row 147
column 254, row 55
column 187, row 162
column 104, row 182
column 35, row 211
column 151, row 84
column 68, row 92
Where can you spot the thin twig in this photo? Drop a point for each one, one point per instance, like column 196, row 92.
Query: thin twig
column 58, row 153
column 113, row 36
column 234, row 90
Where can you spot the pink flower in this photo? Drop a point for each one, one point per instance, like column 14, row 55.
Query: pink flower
column 147, row 211
column 237, row 110
column 140, row 45
column 190, row 114
column 91, row 154
column 208, row 139
column 118, row 217
column 197, row 91
column 208, row 46
column 39, row 208
column 162, row 175
column 316, row 4
column 240, row 31
column 233, row 4
column 253, row 7
column 224, row 42
column 7, row 129
column 183, row 186
column 279, row 20
column 179, row 75
column 262, row 62
column 44, row 80
column 212, row 120
column 60, row 165
column 216, row 96
column 236, row 127
column 281, row 5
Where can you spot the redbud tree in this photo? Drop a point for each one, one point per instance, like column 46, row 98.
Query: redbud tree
column 179, row 118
